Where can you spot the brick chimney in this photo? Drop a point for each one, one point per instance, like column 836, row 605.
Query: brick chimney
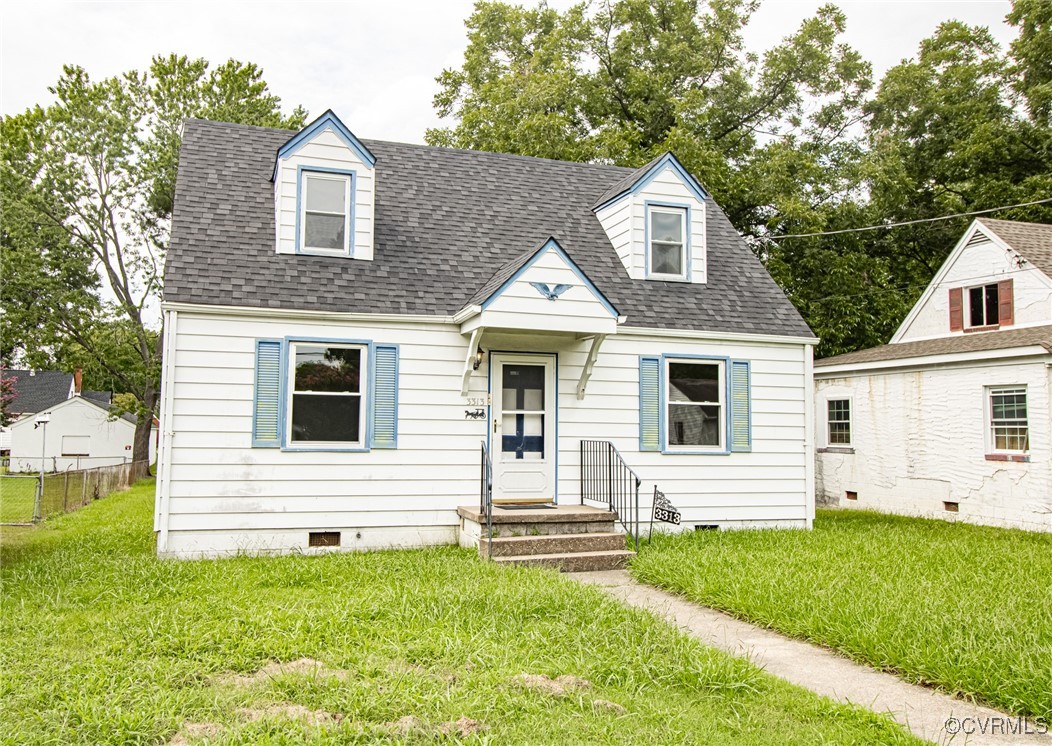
column 78, row 381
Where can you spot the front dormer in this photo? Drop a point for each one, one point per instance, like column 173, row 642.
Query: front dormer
column 325, row 192
column 655, row 218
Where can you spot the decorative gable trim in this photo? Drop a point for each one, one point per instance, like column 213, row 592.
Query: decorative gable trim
column 330, row 121
column 641, row 183
column 550, row 245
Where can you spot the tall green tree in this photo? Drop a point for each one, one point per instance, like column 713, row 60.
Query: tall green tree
column 87, row 193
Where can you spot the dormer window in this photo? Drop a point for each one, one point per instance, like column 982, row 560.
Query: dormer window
column 325, row 212
column 667, row 243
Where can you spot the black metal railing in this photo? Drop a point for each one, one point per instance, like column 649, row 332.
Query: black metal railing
column 607, row 479
column 486, row 497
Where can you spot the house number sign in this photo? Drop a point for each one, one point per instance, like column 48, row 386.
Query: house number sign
column 664, row 511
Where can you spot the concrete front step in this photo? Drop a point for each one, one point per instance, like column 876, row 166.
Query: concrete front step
column 521, row 530
column 572, row 561
column 553, row 544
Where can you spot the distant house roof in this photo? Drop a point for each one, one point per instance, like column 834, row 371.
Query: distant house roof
column 447, row 223
column 105, row 406
column 102, row 397
column 35, row 391
column 997, row 340
column 1031, row 240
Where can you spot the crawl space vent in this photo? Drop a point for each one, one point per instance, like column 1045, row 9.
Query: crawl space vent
column 324, row 539
column 951, row 507
column 851, row 495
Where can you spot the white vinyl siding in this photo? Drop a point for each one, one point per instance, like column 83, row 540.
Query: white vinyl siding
column 226, row 495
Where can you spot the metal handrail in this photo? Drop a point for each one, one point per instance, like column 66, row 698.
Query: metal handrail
column 486, row 497
column 607, row 478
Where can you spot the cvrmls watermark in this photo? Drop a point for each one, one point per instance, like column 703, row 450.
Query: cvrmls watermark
column 998, row 726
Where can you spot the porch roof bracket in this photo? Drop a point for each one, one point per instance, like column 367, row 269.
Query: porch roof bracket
column 469, row 360
column 586, row 372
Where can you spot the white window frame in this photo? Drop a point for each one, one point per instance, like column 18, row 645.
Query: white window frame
column 346, row 179
column 988, row 405
column 684, row 215
column 721, row 383
column 850, row 422
column 76, row 455
column 967, row 305
column 363, row 395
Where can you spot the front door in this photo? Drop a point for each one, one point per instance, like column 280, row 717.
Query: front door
column 523, row 428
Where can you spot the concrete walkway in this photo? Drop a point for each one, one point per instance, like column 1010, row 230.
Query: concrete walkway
column 927, row 713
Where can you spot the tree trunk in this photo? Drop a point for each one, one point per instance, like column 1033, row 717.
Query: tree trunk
column 144, row 429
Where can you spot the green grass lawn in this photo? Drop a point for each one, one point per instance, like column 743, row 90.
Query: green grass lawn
column 967, row 608
column 104, row 643
column 17, row 494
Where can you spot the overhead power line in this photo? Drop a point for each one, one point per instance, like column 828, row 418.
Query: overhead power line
column 908, row 222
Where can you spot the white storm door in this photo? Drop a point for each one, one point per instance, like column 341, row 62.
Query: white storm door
column 523, row 427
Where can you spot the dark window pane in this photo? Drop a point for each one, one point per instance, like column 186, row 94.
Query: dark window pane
column 839, row 433
column 694, row 382
column 975, row 307
column 321, row 368
column 523, row 387
column 324, row 231
column 693, row 425
column 325, row 418
column 666, row 259
column 839, row 410
column 992, row 314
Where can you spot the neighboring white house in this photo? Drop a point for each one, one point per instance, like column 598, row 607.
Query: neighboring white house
column 346, row 322
column 953, row 418
column 79, row 433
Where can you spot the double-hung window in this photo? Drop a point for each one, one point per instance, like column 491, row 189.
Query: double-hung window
column 1009, row 430
column 838, row 422
column 325, row 208
column 667, row 244
column 983, row 304
column 696, row 416
column 326, row 406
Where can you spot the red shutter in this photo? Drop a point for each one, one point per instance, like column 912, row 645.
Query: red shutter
column 1005, row 303
column 956, row 309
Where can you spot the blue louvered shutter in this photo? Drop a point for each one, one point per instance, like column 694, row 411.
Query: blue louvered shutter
column 384, row 432
column 266, row 411
column 649, row 404
column 741, row 407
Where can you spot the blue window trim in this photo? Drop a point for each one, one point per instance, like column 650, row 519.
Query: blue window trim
column 726, row 403
column 489, row 391
column 301, row 172
column 366, row 395
column 552, row 245
column 644, row 181
column 688, row 250
column 330, row 121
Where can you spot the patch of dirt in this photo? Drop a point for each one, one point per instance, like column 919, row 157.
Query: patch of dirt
column 191, row 732
column 301, row 667
column 405, row 726
column 289, row 711
column 608, row 706
column 560, row 686
column 463, row 727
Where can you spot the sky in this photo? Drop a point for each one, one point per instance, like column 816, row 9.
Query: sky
column 373, row 63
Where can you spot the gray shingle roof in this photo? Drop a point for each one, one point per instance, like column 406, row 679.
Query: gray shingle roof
column 102, row 397
column 35, row 391
column 1002, row 339
column 126, row 416
column 622, row 185
column 446, row 221
column 1032, row 240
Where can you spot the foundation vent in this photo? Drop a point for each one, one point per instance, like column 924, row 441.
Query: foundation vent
column 323, row 539
column 851, row 495
column 951, row 507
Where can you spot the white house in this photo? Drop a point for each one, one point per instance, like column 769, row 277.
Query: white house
column 953, row 418
column 347, row 322
column 79, row 435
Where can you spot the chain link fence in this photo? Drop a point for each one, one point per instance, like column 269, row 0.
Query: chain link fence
column 63, row 491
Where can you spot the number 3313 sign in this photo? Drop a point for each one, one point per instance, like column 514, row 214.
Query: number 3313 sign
column 664, row 511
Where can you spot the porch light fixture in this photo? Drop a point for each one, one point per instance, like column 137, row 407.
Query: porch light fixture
column 478, row 358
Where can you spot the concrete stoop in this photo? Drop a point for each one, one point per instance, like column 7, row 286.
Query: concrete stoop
column 572, row 538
